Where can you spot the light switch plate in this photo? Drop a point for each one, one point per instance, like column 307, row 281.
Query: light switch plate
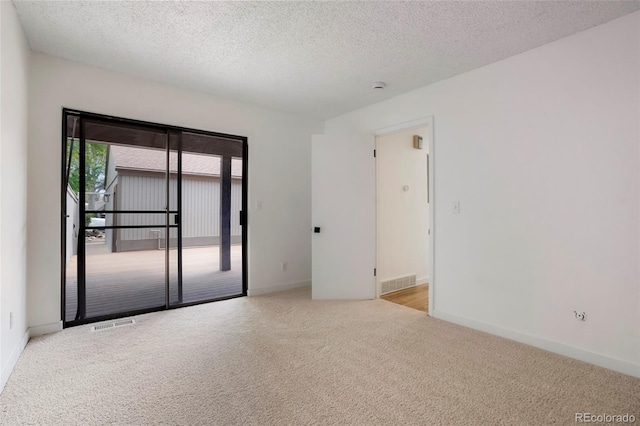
column 455, row 207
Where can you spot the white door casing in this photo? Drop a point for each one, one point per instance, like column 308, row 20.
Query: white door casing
column 429, row 123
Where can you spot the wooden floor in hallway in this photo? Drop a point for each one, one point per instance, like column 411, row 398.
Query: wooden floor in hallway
column 415, row 297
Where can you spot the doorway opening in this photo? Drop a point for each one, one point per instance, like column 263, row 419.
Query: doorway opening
column 403, row 216
column 152, row 217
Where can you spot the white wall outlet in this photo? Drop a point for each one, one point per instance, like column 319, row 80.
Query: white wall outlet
column 283, row 266
column 10, row 320
column 455, row 207
column 580, row 315
column 259, row 205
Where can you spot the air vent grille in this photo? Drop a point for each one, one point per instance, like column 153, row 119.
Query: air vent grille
column 113, row 324
column 398, row 284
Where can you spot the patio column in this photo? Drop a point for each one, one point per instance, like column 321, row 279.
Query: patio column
column 225, row 213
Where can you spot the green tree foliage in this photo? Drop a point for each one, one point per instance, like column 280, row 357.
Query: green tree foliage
column 95, row 166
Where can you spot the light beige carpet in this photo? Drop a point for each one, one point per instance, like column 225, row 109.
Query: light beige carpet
column 286, row 360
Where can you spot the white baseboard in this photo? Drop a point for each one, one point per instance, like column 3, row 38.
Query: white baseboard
column 39, row 330
column 277, row 288
column 618, row 365
column 31, row 332
column 6, row 372
column 420, row 281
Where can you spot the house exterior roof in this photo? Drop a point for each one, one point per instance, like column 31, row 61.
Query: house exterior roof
column 151, row 160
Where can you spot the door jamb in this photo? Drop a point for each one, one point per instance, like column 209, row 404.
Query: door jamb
column 400, row 127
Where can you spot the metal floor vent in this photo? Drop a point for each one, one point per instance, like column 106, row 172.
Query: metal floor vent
column 398, row 284
column 108, row 325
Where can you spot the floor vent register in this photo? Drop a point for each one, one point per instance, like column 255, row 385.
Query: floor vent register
column 114, row 324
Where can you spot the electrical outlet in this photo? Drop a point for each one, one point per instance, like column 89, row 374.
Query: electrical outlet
column 580, row 315
column 283, row 266
column 10, row 320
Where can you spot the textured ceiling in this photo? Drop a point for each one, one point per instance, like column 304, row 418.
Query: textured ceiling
column 313, row 58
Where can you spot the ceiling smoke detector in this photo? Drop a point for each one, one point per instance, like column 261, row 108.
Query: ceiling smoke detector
column 379, row 85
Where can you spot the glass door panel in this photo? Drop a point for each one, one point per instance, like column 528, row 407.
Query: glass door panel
column 211, row 197
column 125, row 219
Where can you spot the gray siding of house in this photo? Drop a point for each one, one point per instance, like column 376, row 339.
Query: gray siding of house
column 200, row 210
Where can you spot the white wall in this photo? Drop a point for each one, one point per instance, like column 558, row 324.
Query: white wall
column 279, row 168
column 403, row 216
column 13, row 188
column 541, row 149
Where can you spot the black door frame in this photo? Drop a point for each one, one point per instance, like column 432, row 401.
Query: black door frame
column 170, row 130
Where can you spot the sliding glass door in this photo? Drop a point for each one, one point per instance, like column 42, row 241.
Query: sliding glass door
column 152, row 217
